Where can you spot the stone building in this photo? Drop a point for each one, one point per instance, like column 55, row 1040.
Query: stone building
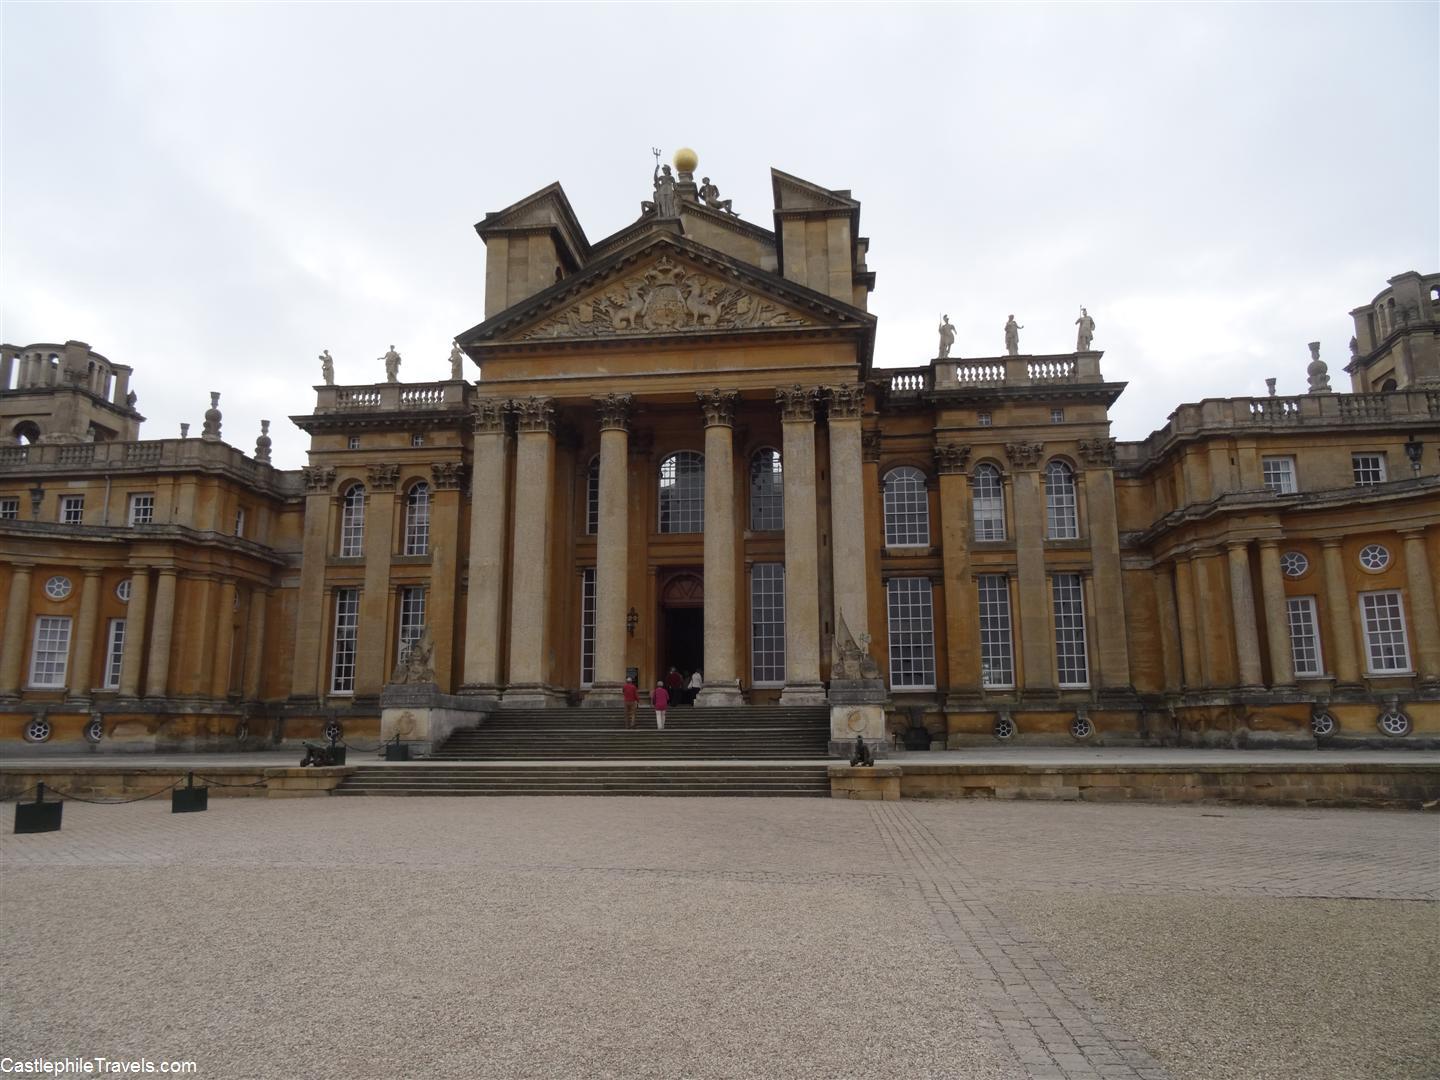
column 674, row 449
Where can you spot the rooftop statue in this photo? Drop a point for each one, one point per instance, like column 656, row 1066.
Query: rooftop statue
column 457, row 363
column 1012, row 336
column 327, row 368
column 392, row 365
column 947, row 336
column 666, row 204
column 710, row 196
column 1087, row 331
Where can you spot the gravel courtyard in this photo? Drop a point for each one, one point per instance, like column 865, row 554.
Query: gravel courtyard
column 705, row 938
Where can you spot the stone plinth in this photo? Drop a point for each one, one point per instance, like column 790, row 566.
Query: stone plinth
column 878, row 783
column 857, row 707
column 423, row 718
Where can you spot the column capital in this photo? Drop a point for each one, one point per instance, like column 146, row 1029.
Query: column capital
column 797, row 402
column 448, row 475
column 870, row 446
column 614, row 411
column 1237, row 545
column 1024, row 455
column 382, row 477
column 952, row 458
column 534, row 414
column 1417, row 533
column 91, row 572
column 488, row 416
column 1098, row 453
column 318, row 479
column 1332, row 541
column 167, row 571
column 1269, row 543
column 847, row 401
column 718, row 406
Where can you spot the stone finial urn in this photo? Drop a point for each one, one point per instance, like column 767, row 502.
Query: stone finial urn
column 1318, row 371
column 211, row 430
column 262, row 444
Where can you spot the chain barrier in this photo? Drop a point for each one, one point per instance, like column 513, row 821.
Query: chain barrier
column 212, row 782
column 19, row 795
column 65, row 796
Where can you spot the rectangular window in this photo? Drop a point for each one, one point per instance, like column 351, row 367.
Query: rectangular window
column 142, row 508
column 1368, row 468
column 1068, row 596
column 353, row 442
column 1304, row 635
column 417, row 439
column 1385, row 642
column 1279, row 474
column 984, row 419
column 114, row 653
column 240, row 521
column 767, row 624
column 52, row 651
column 72, row 509
column 412, row 617
column 997, row 655
column 587, row 626
column 347, row 621
column 912, row 634
column 1057, row 416
column 9, row 509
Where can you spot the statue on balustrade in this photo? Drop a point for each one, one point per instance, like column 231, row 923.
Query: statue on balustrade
column 327, row 368
column 1012, row 336
column 1087, row 331
column 457, row 363
column 947, row 336
column 392, row 365
column 710, row 196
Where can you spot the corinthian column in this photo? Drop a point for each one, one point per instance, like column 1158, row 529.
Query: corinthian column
column 484, row 599
column 1242, row 611
column 1277, row 615
column 847, row 511
column 802, row 551
column 722, row 683
column 530, row 555
column 612, row 549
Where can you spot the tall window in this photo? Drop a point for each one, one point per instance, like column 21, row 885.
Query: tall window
column 767, row 623
column 1369, row 469
column 912, row 634
column 592, row 497
column 767, row 492
column 997, row 652
column 239, row 521
column 907, row 508
column 114, row 653
column 347, row 620
column 1385, row 632
column 987, row 502
column 1279, row 474
column 142, row 508
column 1068, row 596
column 9, row 509
column 682, row 493
column 587, row 626
column 1061, row 519
column 52, row 651
column 417, row 520
column 1304, row 635
column 72, row 509
column 412, row 616
column 352, row 522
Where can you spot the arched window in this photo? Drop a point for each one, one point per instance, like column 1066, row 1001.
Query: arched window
column 682, row 493
column 767, row 493
column 592, row 497
column 352, row 522
column 987, row 502
column 1388, row 386
column 27, row 431
column 1062, row 522
column 907, row 508
column 417, row 520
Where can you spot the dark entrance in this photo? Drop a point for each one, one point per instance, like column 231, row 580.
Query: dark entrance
column 682, row 624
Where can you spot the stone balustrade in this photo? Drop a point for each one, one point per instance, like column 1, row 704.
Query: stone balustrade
column 995, row 372
column 151, row 454
column 390, row 397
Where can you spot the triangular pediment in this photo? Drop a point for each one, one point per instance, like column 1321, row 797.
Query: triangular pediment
column 547, row 208
column 666, row 285
column 793, row 193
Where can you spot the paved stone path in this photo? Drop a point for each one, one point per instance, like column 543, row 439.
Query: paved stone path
column 570, row 937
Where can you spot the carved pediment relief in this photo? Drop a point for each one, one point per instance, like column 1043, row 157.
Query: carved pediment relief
column 666, row 297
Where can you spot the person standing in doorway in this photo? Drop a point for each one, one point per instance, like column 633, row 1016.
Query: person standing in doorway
column 675, row 685
column 631, row 693
column 696, row 682
column 661, row 699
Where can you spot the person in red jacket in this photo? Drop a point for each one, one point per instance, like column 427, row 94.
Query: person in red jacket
column 631, row 693
column 660, row 697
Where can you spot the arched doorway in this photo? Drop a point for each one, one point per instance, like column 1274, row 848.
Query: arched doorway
column 682, row 624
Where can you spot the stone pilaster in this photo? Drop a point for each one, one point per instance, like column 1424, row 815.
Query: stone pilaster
column 224, row 640
column 77, row 678
column 1242, row 614
column 157, row 679
column 530, row 556
column 612, row 549
column 1112, row 652
column 722, row 683
column 137, row 612
column 448, row 484
column 1191, row 658
column 310, row 616
column 197, row 658
column 17, row 613
column 847, row 510
column 1340, row 615
column 485, row 597
column 1036, row 641
column 372, row 669
column 1169, row 634
column 802, row 548
column 1422, row 605
column 962, row 655
column 255, row 644
column 1277, row 618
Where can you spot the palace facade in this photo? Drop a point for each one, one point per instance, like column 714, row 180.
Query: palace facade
column 675, row 450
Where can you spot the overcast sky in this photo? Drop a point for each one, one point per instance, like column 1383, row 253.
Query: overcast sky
column 214, row 193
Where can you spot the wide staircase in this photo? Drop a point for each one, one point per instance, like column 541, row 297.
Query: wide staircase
column 745, row 751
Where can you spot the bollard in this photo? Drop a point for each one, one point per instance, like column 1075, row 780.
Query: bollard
column 38, row 816
column 395, row 750
column 337, row 752
column 189, row 799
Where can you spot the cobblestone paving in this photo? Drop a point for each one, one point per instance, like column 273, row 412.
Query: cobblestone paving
column 569, row 937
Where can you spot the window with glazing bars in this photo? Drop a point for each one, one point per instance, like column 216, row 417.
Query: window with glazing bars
column 417, row 520
column 912, row 633
column 907, row 508
column 347, row 621
column 592, row 497
column 767, row 623
column 352, row 522
column 767, row 492
column 682, row 493
column 51, row 652
column 72, row 510
column 1304, row 635
column 1067, row 595
column 1062, row 521
column 114, row 653
column 997, row 655
column 9, row 509
column 412, row 617
column 1385, row 642
column 587, row 626
column 987, row 503
column 1368, row 469
column 142, row 508
column 1279, row 474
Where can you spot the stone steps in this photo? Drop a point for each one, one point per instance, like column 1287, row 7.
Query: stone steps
column 795, row 781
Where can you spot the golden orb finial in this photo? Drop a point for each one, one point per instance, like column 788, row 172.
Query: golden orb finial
column 686, row 159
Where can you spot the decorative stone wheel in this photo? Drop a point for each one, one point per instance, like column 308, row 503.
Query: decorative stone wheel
column 332, row 731
column 1081, row 728
column 242, row 731
column 38, row 730
column 1004, row 727
column 1394, row 723
column 1323, row 725
column 95, row 730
